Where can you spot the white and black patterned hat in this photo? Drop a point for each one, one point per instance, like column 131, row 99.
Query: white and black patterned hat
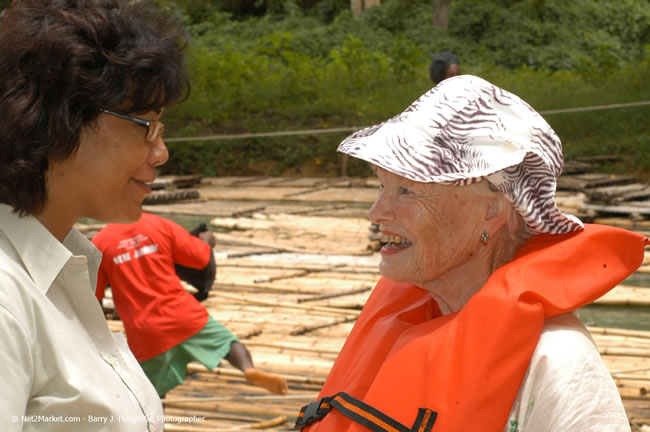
column 465, row 130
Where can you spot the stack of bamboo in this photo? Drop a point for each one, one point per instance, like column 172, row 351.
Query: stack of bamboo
column 261, row 297
column 294, row 270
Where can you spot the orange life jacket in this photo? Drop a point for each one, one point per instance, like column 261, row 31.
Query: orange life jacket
column 404, row 362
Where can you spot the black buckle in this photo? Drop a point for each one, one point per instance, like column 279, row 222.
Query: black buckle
column 313, row 412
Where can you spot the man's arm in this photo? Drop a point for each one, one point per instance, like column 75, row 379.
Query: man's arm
column 201, row 279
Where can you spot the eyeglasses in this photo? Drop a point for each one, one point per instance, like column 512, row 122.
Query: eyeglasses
column 154, row 127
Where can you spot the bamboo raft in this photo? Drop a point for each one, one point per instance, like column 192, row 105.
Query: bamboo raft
column 295, row 266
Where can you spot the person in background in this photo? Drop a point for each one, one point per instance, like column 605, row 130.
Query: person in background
column 472, row 325
column 83, row 86
column 443, row 65
column 166, row 327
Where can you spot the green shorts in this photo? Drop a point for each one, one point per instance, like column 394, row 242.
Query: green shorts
column 208, row 347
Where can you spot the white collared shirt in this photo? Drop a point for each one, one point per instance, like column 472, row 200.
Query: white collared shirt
column 61, row 368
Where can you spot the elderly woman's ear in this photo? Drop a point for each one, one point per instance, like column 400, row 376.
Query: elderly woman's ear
column 496, row 214
column 503, row 229
column 492, row 207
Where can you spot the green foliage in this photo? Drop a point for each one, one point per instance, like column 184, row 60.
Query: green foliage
column 300, row 66
column 619, row 131
column 553, row 34
column 198, row 11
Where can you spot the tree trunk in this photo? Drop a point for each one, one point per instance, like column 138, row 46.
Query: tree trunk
column 369, row 3
column 358, row 6
column 440, row 17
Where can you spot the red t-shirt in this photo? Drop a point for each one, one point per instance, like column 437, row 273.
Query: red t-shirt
column 138, row 262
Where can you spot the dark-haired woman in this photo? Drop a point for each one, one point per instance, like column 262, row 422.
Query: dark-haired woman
column 83, row 86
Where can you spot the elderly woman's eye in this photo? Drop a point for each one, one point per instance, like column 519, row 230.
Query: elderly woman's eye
column 404, row 191
column 381, row 187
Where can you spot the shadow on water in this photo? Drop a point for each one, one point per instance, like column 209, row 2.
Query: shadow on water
column 638, row 279
column 629, row 317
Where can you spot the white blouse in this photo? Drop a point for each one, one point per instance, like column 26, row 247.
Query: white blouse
column 62, row 368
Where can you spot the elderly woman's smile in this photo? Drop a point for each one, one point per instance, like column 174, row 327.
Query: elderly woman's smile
column 427, row 229
column 392, row 241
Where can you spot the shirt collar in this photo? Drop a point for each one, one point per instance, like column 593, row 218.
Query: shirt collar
column 43, row 256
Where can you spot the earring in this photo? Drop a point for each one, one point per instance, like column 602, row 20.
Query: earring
column 484, row 238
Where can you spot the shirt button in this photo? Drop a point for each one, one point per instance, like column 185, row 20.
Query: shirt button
column 115, row 362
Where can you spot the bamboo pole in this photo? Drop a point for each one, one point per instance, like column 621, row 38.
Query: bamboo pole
column 220, row 287
column 300, row 266
column 298, row 273
column 235, row 240
column 307, row 191
column 619, row 332
column 309, row 349
column 628, row 352
column 308, row 328
column 317, row 209
column 277, row 421
column 209, row 415
column 241, row 408
column 261, row 425
column 335, row 294
column 631, row 370
column 629, row 377
column 316, row 309
column 196, row 367
column 240, row 398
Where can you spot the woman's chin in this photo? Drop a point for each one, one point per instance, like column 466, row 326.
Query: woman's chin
column 132, row 215
column 390, row 272
column 128, row 215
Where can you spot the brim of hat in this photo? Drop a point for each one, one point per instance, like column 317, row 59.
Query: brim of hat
column 382, row 145
column 384, row 148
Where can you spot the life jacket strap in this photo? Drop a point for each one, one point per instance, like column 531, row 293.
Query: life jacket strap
column 362, row 413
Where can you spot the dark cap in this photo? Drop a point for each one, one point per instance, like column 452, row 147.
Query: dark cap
column 439, row 64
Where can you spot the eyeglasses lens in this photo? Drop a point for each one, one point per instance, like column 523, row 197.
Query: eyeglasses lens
column 155, row 131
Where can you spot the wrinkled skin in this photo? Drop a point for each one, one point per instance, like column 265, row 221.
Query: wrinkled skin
column 443, row 224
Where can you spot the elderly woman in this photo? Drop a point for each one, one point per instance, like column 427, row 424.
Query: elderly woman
column 83, row 84
column 471, row 326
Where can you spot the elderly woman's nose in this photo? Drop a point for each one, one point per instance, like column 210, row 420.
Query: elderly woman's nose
column 158, row 154
column 380, row 211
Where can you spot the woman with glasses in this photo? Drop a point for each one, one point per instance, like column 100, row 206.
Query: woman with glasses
column 83, row 85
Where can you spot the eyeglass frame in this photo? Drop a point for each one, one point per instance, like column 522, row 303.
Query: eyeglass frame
column 155, row 128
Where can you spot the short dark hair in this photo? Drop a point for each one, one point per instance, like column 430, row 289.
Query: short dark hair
column 63, row 60
column 440, row 62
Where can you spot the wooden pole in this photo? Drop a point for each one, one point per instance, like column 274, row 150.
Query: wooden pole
column 308, row 328
column 440, row 15
column 356, row 6
column 175, row 427
column 333, row 295
column 316, row 309
column 196, row 367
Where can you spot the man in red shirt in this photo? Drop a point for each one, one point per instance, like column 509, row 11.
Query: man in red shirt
column 167, row 327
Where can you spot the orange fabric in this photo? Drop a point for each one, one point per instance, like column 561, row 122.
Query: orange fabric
column 468, row 366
